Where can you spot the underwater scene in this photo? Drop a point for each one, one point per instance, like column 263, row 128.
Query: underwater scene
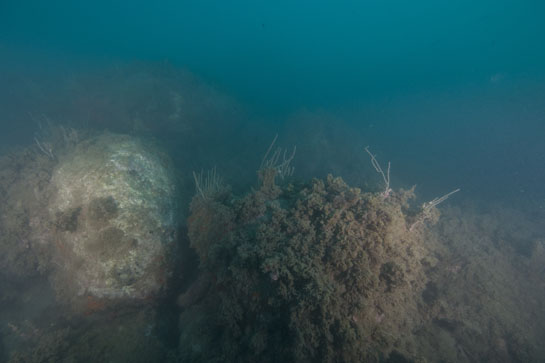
column 272, row 181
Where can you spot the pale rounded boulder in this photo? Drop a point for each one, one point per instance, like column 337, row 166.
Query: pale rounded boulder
column 114, row 218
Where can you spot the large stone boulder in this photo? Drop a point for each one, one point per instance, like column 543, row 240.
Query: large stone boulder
column 315, row 272
column 113, row 214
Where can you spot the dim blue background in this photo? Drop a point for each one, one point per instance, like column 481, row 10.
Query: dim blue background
column 452, row 92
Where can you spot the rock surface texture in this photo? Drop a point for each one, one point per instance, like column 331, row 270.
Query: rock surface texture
column 113, row 213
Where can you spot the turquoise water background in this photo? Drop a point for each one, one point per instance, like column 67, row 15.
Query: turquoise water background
column 452, row 92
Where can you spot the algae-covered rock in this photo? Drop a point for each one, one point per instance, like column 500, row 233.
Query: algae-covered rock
column 113, row 216
column 320, row 272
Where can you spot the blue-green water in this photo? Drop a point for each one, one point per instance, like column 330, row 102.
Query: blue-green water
column 452, row 93
column 457, row 86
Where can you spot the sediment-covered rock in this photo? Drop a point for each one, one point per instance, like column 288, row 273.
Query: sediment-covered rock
column 319, row 272
column 113, row 219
